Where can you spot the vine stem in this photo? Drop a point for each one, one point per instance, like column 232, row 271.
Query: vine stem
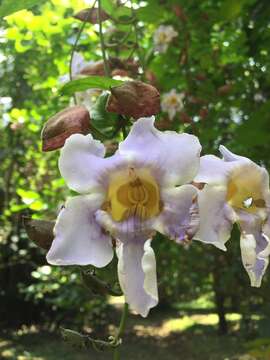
column 74, row 49
column 121, row 329
column 102, row 42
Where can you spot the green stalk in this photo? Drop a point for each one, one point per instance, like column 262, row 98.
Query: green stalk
column 121, row 329
column 102, row 43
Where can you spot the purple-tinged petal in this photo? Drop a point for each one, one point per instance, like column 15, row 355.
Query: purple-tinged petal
column 79, row 239
column 137, row 275
column 215, row 171
column 255, row 246
column 176, row 155
column 179, row 219
column 82, row 164
column 229, row 156
column 126, row 230
column 78, row 63
column 216, row 216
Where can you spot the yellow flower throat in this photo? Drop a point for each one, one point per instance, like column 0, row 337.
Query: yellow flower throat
column 132, row 193
column 245, row 190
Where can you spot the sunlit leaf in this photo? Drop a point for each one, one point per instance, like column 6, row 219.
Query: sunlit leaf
column 231, row 9
column 101, row 118
column 8, row 7
column 150, row 13
column 108, row 6
column 91, row 82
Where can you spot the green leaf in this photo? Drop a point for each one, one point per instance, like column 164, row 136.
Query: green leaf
column 150, row 13
column 108, row 6
column 231, row 9
column 91, row 82
column 9, row 7
column 102, row 119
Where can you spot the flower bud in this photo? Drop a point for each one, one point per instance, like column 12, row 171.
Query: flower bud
column 185, row 118
column 58, row 128
column 134, row 98
column 225, row 89
column 203, row 113
column 91, row 15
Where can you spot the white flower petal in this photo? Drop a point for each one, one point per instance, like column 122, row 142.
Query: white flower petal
column 177, row 155
column 79, row 239
column 213, row 170
column 216, row 216
column 127, row 230
column 82, row 164
column 77, row 64
column 137, row 275
column 230, row 156
column 255, row 246
column 179, row 219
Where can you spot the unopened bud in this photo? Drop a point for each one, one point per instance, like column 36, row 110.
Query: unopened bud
column 179, row 12
column 185, row 118
column 75, row 119
column 163, row 124
column 203, row 113
column 134, row 98
column 225, row 89
column 91, row 15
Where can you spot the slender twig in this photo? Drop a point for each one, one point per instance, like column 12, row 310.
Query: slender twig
column 121, row 329
column 74, row 47
column 136, row 32
column 102, row 43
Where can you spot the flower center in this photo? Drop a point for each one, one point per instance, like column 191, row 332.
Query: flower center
column 132, row 193
column 173, row 101
column 163, row 37
column 245, row 190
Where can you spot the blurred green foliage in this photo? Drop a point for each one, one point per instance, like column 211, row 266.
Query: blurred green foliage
column 220, row 60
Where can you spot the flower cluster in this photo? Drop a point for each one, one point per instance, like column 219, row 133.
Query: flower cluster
column 163, row 36
column 172, row 102
column 156, row 181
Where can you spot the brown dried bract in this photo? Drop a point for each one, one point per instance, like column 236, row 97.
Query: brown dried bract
column 90, row 15
column 135, row 99
column 75, row 119
column 225, row 89
column 40, row 231
column 117, row 67
column 185, row 118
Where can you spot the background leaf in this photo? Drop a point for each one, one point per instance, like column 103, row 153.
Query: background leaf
column 9, row 7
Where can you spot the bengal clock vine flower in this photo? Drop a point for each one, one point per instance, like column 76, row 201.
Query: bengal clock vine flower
column 163, row 36
column 172, row 102
column 144, row 187
column 236, row 190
